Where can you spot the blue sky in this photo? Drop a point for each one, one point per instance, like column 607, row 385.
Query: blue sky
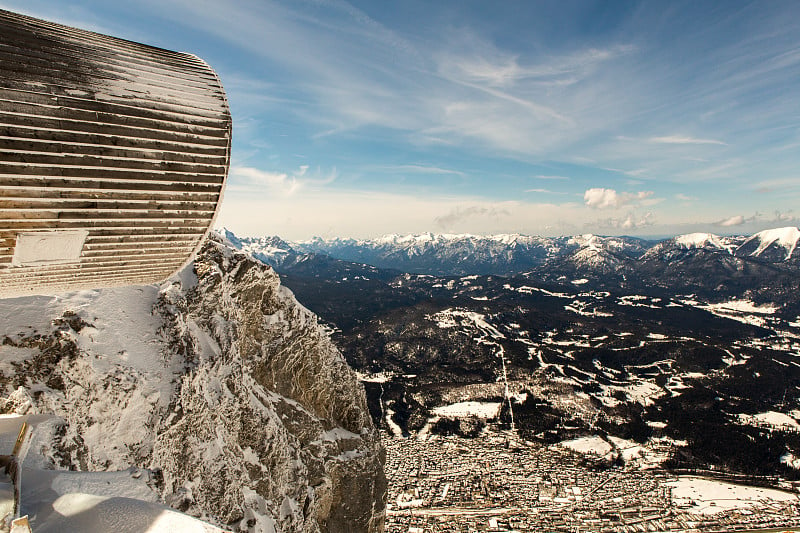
column 611, row 117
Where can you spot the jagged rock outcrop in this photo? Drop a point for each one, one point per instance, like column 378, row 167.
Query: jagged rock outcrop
column 218, row 381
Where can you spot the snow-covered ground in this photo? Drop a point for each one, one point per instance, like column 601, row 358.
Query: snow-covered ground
column 583, row 308
column 524, row 289
column 742, row 306
column 469, row 408
column 744, row 311
column 119, row 502
column 771, row 419
column 450, row 318
column 708, row 496
column 378, row 377
column 589, row 445
column 647, row 455
column 92, row 502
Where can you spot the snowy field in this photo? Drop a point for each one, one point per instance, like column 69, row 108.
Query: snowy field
column 466, row 409
column 772, row 419
column 642, row 455
column 707, row 496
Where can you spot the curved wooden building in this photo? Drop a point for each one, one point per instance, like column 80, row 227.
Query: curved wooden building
column 113, row 158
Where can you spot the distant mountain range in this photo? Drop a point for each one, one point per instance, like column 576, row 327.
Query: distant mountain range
column 763, row 266
column 510, row 254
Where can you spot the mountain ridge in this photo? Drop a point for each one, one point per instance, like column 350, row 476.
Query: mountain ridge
column 512, row 254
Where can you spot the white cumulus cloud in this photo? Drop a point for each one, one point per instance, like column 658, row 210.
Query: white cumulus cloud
column 600, row 198
column 737, row 220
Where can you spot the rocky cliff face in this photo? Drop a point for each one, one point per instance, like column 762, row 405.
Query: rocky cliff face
column 218, row 381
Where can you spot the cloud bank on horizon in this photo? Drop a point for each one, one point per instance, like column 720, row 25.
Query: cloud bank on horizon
column 364, row 118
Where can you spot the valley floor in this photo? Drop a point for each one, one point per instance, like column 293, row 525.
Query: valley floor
column 498, row 482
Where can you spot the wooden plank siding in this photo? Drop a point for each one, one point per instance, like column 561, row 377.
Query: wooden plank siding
column 121, row 144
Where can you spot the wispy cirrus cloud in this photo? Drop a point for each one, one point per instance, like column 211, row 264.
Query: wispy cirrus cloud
column 685, row 197
column 777, row 184
column 459, row 214
column 785, row 217
column 284, row 183
column 545, row 191
column 682, row 139
column 415, row 169
column 552, row 178
column 486, row 64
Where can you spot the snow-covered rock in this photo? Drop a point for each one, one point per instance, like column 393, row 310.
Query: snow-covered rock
column 698, row 240
column 270, row 250
column 218, row 382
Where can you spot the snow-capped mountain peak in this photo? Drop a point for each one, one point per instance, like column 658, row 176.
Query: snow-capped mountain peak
column 786, row 238
column 509, row 254
column 699, row 240
column 587, row 240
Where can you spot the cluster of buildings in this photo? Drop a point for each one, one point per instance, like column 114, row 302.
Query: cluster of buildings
column 497, row 483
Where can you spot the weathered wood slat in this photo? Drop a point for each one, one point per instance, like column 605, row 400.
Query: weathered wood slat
column 187, row 133
column 56, row 110
column 96, row 266
column 14, row 86
column 108, row 173
column 97, row 257
column 181, row 226
column 197, row 116
column 140, row 240
column 123, row 269
column 39, row 68
column 46, row 48
column 24, row 52
column 66, row 205
column 41, row 146
column 39, row 52
column 39, row 283
column 91, row 160
column 68, row 214
column 48, row 194
column 117, row 235
column 121, row 91
column 106, row 184
column 125, row 258
column 181, row 247
column 137, row 246
column 109, row 141
column 51, row 34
